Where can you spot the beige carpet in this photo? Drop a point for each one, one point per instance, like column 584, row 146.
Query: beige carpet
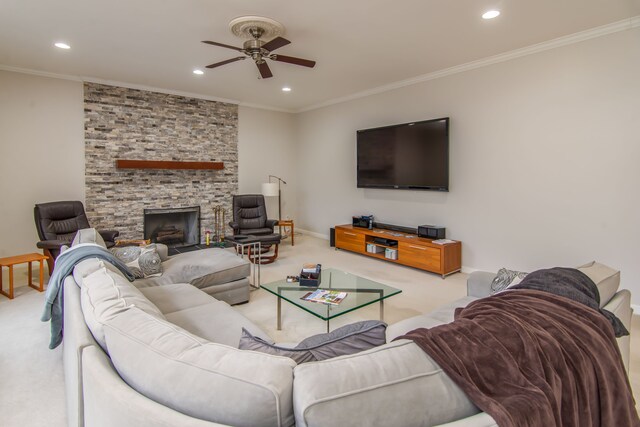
column 31, row 376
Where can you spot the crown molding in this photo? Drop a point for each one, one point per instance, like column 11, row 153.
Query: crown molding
column 181, row 93
column 625, row 24
column 40, row 73
column 85, row 79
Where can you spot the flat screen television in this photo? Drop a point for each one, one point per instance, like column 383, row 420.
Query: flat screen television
column 409, row 156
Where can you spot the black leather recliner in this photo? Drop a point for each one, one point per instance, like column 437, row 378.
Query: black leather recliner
column 57, row 224
column 250, row 216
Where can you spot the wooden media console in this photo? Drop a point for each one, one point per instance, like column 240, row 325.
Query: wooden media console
column 411, row 250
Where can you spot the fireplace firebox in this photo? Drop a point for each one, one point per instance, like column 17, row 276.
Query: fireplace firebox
column 175, row 227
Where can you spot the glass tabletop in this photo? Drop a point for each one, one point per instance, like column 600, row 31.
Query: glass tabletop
column 360, row 293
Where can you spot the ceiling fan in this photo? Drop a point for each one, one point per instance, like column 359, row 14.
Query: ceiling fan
column 254, row 28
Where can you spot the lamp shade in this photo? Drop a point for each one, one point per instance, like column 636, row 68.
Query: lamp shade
column 270, row 189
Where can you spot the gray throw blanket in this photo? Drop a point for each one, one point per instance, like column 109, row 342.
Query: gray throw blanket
column 53, row 307
column 573, row 284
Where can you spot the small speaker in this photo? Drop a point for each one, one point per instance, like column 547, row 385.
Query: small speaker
column 431, row 231
column 332, row 237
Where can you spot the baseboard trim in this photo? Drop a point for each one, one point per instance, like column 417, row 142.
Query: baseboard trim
column 467, row 270
column 313, row 233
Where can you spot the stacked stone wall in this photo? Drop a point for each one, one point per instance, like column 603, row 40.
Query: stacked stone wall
column 130, row 124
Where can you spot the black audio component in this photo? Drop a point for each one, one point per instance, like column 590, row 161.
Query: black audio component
column 385, row 242
column 399, row 228
column 364, row 221
column 431, row 231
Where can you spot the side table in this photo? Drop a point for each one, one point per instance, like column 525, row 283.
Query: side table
column 21, row 259
column 287, row 223
column 248, row 242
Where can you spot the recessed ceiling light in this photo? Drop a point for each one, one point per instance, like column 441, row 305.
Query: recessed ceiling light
column 490, row 14
column 286, row 89
column 62, row 45
column 198, row 72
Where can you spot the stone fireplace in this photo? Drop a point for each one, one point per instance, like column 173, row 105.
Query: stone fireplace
column 175, row 227
column 122, row 123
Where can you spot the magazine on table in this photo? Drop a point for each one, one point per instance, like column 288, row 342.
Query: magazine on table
column 325, row 296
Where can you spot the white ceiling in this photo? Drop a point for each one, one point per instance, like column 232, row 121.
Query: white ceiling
column 358, row 44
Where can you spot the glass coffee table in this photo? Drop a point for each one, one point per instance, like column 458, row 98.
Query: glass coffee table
column 360, row 293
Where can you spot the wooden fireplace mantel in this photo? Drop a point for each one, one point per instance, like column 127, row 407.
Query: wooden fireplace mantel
column 159, row 164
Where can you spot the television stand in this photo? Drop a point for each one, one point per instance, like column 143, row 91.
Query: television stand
column 401, row 248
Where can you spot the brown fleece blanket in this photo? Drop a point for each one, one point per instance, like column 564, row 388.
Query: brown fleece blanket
column 532, row 358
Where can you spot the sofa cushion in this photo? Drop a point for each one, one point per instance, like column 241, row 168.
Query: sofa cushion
column 88, row 235
column 176, row 297
column 201, row 379
column 216, row 322
column 391, row 385
column 85, row 268
column 163, row 251
column 446, row 312
column 104, row 295
column 142, row 261
column 88, row 266
column 201, row 268
column 348, row 339
column 606, row 279
column 440, row 316
column 402, row 327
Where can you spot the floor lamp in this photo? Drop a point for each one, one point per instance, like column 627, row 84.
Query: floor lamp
column 272, row 189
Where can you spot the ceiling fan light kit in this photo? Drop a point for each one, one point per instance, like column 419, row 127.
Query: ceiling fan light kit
column 254, row 28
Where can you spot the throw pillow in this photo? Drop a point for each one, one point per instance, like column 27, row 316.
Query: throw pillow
column 349, row 339
column 506, row 278
column 606, row 279
column 88, row 235
column 142, row 261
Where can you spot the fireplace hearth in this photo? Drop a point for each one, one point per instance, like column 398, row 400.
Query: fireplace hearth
column 175, row 227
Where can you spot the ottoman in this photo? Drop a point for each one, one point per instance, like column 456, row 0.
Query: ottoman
column 265, row 240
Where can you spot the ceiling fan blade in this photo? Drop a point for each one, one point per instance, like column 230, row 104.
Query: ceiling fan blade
column 239, row 49
column 293, row 60
column 228, row 61
column 276, row 43
column 265, row 71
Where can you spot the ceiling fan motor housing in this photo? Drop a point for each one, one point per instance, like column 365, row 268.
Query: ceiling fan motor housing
column 254, row 44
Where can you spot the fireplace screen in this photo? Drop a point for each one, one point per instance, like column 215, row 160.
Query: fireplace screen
column 174, row 227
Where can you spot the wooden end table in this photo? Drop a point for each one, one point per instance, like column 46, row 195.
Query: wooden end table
column 287, row 223
column 21, row 259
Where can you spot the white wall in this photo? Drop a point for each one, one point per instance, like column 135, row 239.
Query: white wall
column 544, row 159
column 41, row 152
column 267, row 146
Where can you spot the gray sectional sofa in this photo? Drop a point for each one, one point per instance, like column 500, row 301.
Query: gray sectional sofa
column 168, row 355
